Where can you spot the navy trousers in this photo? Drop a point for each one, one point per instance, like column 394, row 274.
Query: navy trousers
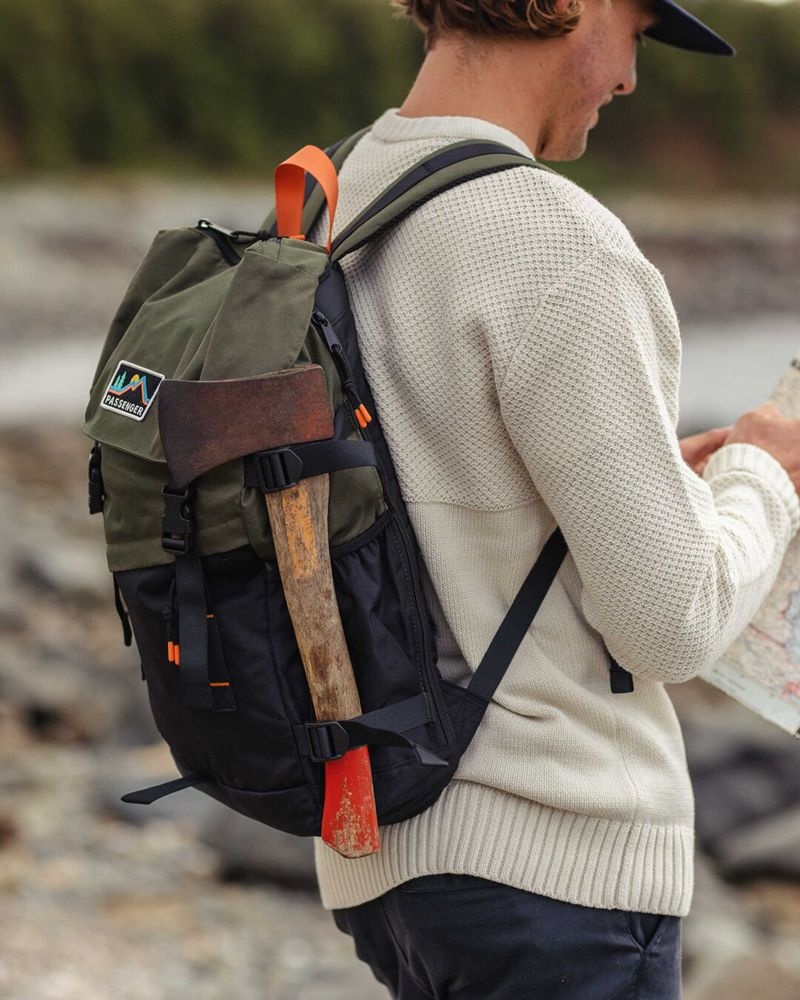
column 465, row 938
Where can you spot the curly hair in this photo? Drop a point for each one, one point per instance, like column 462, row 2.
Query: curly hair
column 491, row 17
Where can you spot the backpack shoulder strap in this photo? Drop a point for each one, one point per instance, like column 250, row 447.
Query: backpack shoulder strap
column 437, row 172
column 446, row 168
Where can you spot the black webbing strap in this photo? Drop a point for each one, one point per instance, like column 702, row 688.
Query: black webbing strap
column 178, row 533
column 122, row 613
column 220, row 681
column 324, row 741
column 196, row 691
column 145, row 796
column 621, row 679
column 96, row 488
column 518, row 619
column 280, row 468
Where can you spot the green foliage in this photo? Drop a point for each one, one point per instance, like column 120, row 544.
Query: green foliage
column 211, row 84
column 233, row 85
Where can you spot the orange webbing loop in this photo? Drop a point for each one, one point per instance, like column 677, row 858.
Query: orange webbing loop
column 290, row 183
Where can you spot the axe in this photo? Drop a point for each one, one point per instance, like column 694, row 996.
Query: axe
column 203, row 425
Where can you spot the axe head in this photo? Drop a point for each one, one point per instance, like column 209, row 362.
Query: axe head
column 205, row 424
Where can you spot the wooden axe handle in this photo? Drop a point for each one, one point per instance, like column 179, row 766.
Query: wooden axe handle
column 299, row 521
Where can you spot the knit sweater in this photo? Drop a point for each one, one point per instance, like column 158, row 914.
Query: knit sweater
column 524, row 358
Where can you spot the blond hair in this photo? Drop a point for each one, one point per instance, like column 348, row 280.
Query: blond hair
column 491, row 17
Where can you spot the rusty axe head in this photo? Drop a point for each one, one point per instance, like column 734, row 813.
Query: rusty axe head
column 205, row 424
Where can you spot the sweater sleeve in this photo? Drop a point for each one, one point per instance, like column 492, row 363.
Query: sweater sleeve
column 673, row 565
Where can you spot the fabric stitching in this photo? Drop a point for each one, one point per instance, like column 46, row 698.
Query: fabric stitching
column 598, row 254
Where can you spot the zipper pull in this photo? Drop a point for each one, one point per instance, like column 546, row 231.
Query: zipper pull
column 171, row 621
column 244, row 236
column 326, row 330
column 362, row 414
column 237, row 235
column 205, row 224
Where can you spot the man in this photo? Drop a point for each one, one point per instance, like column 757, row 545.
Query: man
column 524, row 357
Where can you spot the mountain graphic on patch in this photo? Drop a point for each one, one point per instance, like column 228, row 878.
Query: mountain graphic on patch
column 131, row 390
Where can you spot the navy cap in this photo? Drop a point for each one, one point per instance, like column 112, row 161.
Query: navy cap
column 680, row 28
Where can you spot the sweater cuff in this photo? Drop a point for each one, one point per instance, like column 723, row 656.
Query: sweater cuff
column 743, row 457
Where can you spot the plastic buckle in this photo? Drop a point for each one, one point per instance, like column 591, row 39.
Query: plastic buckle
column 97, row 492
column 326, row 741
column 177, row 521
column 277, row 469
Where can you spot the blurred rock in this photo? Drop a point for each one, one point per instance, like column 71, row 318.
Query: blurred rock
column 58, row 695
column 245, row 849
column 746, row 977
column 769, row 848
column 727, row 952
column 142, row 768
column 250, row 850
column 716, row 926
column 743, row 770
column 8, row 830
column 64, row 568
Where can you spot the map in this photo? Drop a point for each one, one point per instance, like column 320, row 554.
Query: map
column 762, row 668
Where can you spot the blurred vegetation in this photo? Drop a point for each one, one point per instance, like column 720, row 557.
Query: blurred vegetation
column 230, row 86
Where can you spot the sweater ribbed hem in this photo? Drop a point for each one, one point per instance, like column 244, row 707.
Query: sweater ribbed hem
column 477, row 830
column 750, row 458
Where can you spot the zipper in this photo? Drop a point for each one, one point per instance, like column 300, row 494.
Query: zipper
column 340, row 359
column 325, row 329
column 222, row 237
column 433, row 687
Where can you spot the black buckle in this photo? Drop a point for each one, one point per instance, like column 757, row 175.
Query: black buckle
column 177, row 521
column 96, row 488
column 277, row 469
column 326, row 741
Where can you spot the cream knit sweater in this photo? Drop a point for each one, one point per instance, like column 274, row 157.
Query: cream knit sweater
column 525, row 357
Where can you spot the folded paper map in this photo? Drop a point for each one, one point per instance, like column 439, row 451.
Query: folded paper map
column 762, row 668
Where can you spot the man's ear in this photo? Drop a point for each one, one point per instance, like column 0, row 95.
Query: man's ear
column 564, row 10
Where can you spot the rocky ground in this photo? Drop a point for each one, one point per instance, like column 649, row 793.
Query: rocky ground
column 100, row 900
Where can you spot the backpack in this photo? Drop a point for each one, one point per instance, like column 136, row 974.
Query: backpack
column 194, row 563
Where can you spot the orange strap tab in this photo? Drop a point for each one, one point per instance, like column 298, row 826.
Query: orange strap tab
column 290, row 182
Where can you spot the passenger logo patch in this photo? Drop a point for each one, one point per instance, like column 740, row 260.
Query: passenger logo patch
column 131, row 390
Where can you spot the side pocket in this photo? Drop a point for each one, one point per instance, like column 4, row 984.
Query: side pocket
column 646, row 928
column 445, row 882
column 382, row 629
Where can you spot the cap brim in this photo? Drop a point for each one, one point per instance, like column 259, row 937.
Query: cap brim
column 683, row 30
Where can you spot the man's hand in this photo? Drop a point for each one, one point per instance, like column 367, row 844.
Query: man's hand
column 767, row 428
column 698, row 448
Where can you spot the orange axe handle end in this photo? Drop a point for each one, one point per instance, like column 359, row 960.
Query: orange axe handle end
column 349, row 823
